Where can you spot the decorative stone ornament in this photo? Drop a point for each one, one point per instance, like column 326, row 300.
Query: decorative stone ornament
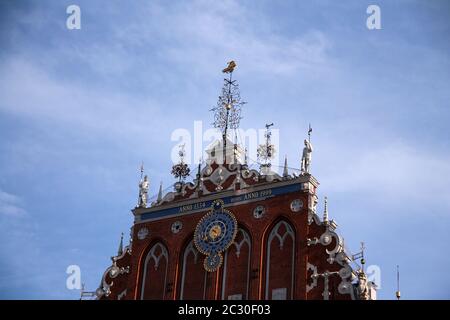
column 296, row 205
column 176, row 227
column 259, row 212
column 142, row 233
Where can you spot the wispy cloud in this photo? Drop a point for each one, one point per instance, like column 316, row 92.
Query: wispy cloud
column 11, row 205
column 80, row 109
column 199, row 33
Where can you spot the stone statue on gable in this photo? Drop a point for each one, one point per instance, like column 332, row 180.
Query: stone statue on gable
column 306, row 157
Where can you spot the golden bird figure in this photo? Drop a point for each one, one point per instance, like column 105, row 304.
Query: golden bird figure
column 230, row 67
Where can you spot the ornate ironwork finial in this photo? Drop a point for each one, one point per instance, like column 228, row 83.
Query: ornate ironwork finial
column 181, row 170
column 227, row 113
column 266, row 151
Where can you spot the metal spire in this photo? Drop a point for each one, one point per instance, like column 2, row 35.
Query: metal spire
column 227, row 114
column 235, row 148
column 245, row 158
column 120, row 251
column 397, row 293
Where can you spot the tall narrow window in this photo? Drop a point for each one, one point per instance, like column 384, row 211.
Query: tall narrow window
column 236, row 268
column 155, row 273
column 193, row 275
column 280, row 254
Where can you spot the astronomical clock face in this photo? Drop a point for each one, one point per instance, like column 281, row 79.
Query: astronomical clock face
column 214, row 234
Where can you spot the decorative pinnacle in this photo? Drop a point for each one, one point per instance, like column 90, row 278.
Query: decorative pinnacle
column 285, row 169
column 120, row 251
column 246, row 157
column 325, row 210
column 159, row 193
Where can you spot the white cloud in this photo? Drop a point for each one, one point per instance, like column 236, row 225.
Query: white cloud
column 396, row 176
column 199, row 34
column 32, row 92
column 10, row 205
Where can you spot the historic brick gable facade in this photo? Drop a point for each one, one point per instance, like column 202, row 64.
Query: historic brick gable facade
column 262, row 237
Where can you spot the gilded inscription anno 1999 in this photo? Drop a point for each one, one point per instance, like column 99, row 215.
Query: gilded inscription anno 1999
column 245, row 197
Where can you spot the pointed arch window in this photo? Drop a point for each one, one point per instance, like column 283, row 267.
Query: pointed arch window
column 193, row 275
column 155, row 272
column 280, row 255
column 236, row 268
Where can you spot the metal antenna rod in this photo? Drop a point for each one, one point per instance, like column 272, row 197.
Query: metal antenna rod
column 309, row 133
column 397, row 293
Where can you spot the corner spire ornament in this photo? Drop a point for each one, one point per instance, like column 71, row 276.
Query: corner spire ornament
column 227, row 113
column 266, row 151
column 159, row 198
column 120, row 250
column 285, row 168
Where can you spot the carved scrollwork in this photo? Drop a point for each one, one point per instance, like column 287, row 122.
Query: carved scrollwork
column 338, row 247
column 113, row 272
column 311, row 242
column 314, row 277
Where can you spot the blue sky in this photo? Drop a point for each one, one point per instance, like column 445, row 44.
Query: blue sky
column 80, row 110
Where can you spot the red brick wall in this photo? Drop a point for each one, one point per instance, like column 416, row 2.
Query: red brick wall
column 280, row 265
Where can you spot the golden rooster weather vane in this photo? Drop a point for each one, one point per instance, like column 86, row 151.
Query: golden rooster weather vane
column 230, row 67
